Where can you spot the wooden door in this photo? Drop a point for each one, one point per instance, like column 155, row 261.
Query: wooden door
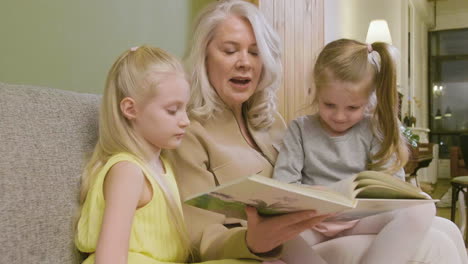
column 301, row 28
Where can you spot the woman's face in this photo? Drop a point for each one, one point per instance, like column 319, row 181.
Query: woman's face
column 233, row 62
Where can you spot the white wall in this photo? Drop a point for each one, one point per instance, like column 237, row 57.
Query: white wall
column 452, row 14
column 422, row 19
column 351, row 18
column 337, row 15
column 418, row 51
column 68, row 44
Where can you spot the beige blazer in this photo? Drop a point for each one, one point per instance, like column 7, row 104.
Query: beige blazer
column 214, row 152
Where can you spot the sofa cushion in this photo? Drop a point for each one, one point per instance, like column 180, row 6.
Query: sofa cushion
column 45, row 136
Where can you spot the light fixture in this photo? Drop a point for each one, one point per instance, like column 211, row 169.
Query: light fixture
column 378, row 32
column 438, row 90
column 448, row 112
column 438, row 114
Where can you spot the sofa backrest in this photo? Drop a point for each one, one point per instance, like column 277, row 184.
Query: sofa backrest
column 45, row 136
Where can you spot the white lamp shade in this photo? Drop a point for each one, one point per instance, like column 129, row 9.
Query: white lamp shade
column 378, row 32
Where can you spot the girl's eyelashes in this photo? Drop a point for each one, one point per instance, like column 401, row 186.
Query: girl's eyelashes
column 351, row 107
column 354, row 107
column 172, row 110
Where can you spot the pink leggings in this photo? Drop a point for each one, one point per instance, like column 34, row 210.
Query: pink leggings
column 398, row 235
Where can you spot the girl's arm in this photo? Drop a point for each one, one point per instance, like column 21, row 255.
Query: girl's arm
column 290, row 162
column 123, row 187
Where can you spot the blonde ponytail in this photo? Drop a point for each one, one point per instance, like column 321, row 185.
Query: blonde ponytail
column 385, row 117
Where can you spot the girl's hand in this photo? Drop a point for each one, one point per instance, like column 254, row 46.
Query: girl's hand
column 265, row 234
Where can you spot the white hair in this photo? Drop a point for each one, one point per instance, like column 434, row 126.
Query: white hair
column 204, row 102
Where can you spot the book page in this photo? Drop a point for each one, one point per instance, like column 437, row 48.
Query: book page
column 368, row 207
column 386, row 192
column 373, row 184
column 310, row 190
column 405, row 188
column 345, row 187
column 269, row 196
column 386, row 179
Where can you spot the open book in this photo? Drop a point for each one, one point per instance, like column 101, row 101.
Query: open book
column 366, row 193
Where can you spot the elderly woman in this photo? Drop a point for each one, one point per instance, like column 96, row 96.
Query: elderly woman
column 235, row 131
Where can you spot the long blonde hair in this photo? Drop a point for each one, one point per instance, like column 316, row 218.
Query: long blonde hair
column 204, row 102
column 352, row 61
column 136, row 74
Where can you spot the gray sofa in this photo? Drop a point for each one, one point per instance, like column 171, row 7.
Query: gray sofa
column 44, row 137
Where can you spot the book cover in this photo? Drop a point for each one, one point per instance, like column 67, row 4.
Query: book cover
column 272, row 197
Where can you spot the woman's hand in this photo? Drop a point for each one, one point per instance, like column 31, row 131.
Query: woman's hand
column 265, row 234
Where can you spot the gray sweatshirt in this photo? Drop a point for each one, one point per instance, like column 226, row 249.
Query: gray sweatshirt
column 310, row 156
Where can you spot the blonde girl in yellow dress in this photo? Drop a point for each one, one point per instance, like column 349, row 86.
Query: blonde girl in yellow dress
column 131, row 211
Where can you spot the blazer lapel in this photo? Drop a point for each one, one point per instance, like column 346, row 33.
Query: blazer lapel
column 263, row 140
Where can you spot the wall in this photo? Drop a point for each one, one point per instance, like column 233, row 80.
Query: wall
column 421, row 21
column 351, row 18
column 299, row 24
column 70, row 45
column 196, row 6
column 452, row 14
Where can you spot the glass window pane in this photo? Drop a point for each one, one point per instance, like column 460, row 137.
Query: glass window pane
column 448, row 76
column 453, row 42
column 454, row 71
column 450, row 107
column 434, row 38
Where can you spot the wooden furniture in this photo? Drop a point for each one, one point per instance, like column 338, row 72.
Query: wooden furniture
column 459, row 174
column 300, row 25
column 420, row 157
column 460, row 184
column 457, row 164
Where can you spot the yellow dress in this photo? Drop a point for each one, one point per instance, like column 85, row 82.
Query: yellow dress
column 153, row 239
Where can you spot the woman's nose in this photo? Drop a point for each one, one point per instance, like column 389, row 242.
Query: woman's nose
column 243, row 61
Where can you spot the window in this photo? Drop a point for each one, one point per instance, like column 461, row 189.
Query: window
column 448, row 81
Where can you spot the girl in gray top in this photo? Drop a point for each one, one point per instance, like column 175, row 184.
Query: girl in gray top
column 356, row 128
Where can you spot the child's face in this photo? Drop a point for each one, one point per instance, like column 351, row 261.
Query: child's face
column 161, row 120
column 340, row 107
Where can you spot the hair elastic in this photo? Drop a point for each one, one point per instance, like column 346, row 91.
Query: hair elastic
column 134, row 48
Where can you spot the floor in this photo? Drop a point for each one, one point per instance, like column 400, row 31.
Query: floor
column 437, row 192
column 440, row 188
